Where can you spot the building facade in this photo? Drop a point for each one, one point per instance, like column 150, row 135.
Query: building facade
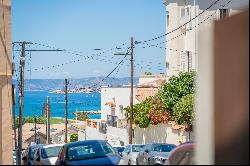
column 5, row 84
column 113, row 101
column 183, row 19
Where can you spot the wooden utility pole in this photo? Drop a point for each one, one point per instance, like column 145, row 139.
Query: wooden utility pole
column 132, row 89
column 21, row 96
column 48, row 120
column 66, row 110
column 45, row 115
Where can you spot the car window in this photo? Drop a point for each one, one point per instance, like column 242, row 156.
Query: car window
column 137, row 148
column 50, row 151
column 87, row 151
column 163, row 148
column 145, row 147
column 129, row 148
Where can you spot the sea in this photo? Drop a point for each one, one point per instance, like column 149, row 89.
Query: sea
column 34, row 101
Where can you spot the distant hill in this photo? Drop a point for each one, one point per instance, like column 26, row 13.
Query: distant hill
column 58, row 84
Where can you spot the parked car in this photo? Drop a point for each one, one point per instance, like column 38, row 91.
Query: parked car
column 28, row 155
column 182, row 155
column 130, row 153
column 154, row 154
column 47, row 154
column 119, row 149
column 90, row 152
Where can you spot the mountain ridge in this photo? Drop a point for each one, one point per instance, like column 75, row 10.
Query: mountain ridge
column 58, row 84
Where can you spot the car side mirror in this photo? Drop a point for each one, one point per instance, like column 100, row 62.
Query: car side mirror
column 128, row 153
column 146, row 151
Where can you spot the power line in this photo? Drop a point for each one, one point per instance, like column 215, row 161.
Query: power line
column 145, row 41
column 157, row 45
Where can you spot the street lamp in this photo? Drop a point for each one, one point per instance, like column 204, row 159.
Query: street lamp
column 131, row 53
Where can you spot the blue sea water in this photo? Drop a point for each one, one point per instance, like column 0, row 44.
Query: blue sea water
column 34, row 100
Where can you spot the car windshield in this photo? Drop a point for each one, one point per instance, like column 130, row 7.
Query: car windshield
column 50, row 151
column 32, row 151
column 163, row 148
column 137, row 148
column 88, row 151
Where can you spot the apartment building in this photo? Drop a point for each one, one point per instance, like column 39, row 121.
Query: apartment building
column 183, row 20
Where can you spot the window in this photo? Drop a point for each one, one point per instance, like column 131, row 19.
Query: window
column 183, row 15
column 137, row 148
column 167, row 19
column 224, row 13
column 163, row 148
column 187, row 11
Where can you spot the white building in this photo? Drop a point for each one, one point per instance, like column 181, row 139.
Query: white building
column 183, row 19
column 113, row 101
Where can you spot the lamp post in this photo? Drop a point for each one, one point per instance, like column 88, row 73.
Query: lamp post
column 131, row 53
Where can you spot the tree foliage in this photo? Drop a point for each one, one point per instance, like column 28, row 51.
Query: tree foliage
column 176, row 88
column 174, row 101
column 183, row 110
column 74, row 137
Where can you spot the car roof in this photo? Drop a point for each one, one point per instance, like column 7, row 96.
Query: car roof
column 84, row 142
column 52, row 145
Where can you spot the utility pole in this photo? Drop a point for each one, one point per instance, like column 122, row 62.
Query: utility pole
column 46, row 116
column 66, row 110
column 132, row 89
column 130, row 132
column 48, row 120
column 21, row 96
column 35, row 129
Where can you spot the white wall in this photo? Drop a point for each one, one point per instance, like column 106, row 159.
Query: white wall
column 117, row 134
column 122, row 97
column 93, row 133
column 161, row 133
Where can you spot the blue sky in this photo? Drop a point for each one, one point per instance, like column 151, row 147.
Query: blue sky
column 83, row 25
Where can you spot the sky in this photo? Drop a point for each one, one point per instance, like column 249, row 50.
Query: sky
column 79, row 26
